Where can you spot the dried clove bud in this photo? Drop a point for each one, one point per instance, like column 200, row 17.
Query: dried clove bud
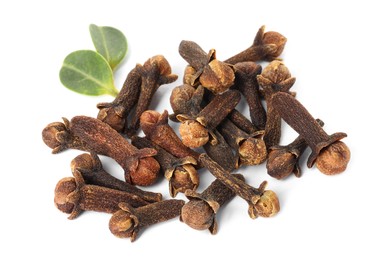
column 199, row 213
column 327, row 151
column 180, row 172
column 128, row 221
column 261, row 202
column 211, row 73
column 72, row 196
column 187, row 100
column 284, row 160
column 116, row 113
column 139, row 165
column 275, row 78
column 155, row 72
column 266, row 46
column 195, row 129
column 90, row 167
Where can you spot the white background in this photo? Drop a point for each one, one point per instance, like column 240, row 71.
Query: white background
column 337, row 50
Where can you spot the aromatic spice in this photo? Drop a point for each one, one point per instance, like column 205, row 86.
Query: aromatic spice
column 116, row 113
column 199, row 213
column 284, row 160
column 195, row 130
column 72, row 196
column 246, row 83
column 128, row 221
column 155, row 72
column 261, row 202
column 275, row 78
column 139, row 165
column 180, row 172
column 90, row 167
column 186, row 100
column 330, row 154
column 266, row 46
column 211, row 73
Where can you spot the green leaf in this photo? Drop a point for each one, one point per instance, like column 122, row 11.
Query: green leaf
column 87, row 72
column 110, row 43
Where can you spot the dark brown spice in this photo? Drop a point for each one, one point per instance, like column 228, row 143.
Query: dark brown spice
column 116, row 113
column 242, row 122
column 180, row 172
column 246, row 83
column 156, row 128
column 250, row 148
column 186, row 100
column 266, row 46
column 72, row 196
column 128, row 221
column 199, row 213
column 330, row 154
column 139, row 165
column 155, row 72
column 261, row 202
column 211, row 73
column 90, row 167
column 195, row 129
column 284, row 160
column 275, row 78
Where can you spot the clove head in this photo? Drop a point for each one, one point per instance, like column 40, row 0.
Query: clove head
column 183, row 178
column 217, row 76
column 123, row 223
column 179, row 97
column 334, row 158
column 276, row 72
column 281, row 163
column 56, row 136
column 193, row 134
column 252, row 151
column 274, row 43
column 197, row 214
column 114, row 116
column 63, row 188
column 146, row 173
column 266, row 206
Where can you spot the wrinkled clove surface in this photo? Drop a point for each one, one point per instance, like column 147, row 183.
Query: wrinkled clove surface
column 180, row 172
column 91, row 168
column 128, row 221
column 327, row 151
column 139, row 166
column 155, row 72
column 72, row 196
column 116, row 113
column 284, row 159
column 200, row 212
column 264, row 203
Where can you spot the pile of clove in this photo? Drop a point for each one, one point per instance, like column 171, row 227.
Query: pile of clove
column 205, row 106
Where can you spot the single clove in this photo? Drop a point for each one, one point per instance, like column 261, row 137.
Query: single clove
column 72, row 196
column 90, row 167
column 140, row 168
column 250, row 147
column 266, row 46
column 116, row 113
column 195, row 129
column 155, row 72
column 187, row 100
column 327, row 151
column 275, row 78
column 242, row 122
column 246, row 83
column 180, row 172
column 128, row 221
column 156, row 128
column 284, row 160
column 211, row 73
column 200, row 212
column 261, row 202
